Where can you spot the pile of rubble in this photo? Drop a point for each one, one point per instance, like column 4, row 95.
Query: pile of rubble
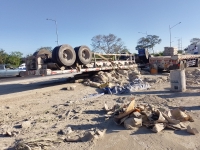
column 133, row 116
column 192, row 77
column 118, row 81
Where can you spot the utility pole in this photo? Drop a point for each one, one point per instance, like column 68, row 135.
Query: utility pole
column 56, row 29
column 170, row 31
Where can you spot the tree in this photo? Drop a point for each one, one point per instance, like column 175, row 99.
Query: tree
column 143, row 42
column 180, row 51
column 125, row 50
column 14, row 58
column 153, row 40
column 47, row 48
column 107, row 44
column 148, row 42
column 3, row 56
column 194, row 40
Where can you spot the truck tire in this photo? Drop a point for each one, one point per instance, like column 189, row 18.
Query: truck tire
column 66, row 55
column 83, row 55
column 43, row 51
column 55, row 55
column 21, row 73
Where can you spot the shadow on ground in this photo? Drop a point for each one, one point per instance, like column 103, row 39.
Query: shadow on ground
column 15, row 88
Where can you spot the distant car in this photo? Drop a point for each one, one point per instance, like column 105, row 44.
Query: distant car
column 9, row 71
column 22, row 66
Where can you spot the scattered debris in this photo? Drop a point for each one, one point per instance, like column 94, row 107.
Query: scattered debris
column 133, row 115
column 26, row 124
column 135, row 85
column 192, row 130
column 95, row 95
column 87, row 136
column 66, row 131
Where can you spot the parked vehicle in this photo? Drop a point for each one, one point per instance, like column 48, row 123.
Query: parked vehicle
column 65, row 60
column 142, row 58
column 179, row 61
column 7, row 70
column 22, row 66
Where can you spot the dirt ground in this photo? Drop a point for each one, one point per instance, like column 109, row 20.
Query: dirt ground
column 41, row 117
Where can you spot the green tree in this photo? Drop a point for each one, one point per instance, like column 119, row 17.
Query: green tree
column 153, row 40
column 180, row 51
column 47, row 48
column 14, row 58
column 194, row 40
column 3, row 56
column 148, row 42
column 125, row 50
column 143, row 42
column 107, row 44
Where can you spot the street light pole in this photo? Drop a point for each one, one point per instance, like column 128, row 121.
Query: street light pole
column 170, row 31
column 56, row 29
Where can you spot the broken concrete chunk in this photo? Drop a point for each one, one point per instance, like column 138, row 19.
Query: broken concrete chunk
column 66, row 131
column 26, row 124
column 161, row 118
column 70, row 88
column 88, row 136
column 100, row 133
column 179, row 115
column 158, row 127
column 137, row 122
column 169, row 119
column 137, row 114
column 123, row 119
column 128, row 123
column 192, row 130
column 94, row 84
column 184, row 124
column 132, row 122
column 128, row 110
column 72, row 139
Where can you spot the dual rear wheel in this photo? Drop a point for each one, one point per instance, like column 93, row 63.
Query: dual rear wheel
column 65, row 55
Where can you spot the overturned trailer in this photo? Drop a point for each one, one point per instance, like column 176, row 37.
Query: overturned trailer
column 65, row 60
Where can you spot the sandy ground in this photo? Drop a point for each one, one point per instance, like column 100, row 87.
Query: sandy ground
column 49, row 110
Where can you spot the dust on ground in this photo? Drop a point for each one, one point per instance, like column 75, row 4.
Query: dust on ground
column 43, row 118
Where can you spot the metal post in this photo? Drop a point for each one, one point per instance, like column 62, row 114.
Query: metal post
column 56, row 29
column 170, row 31
column 181, row 43
column 170, row 35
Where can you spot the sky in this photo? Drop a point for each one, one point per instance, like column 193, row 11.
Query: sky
column 24, row 28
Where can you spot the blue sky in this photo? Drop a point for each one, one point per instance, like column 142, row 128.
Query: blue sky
column 24, row 28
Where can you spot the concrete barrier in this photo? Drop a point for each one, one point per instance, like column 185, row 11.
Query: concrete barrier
column 177, row 80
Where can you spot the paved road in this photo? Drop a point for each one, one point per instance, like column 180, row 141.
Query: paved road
column 14, row 85
column 33, row 79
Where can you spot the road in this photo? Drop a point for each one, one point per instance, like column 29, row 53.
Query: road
column 16, row 85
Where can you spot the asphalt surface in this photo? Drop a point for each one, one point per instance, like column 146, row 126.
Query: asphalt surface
column 17, row 84
column 33, row 79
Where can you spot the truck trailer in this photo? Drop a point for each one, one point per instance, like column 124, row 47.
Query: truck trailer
column 178, row 61
column 65, row 60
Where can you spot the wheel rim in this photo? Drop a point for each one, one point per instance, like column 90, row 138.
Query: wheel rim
column 67, row 54
column 85, row 54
